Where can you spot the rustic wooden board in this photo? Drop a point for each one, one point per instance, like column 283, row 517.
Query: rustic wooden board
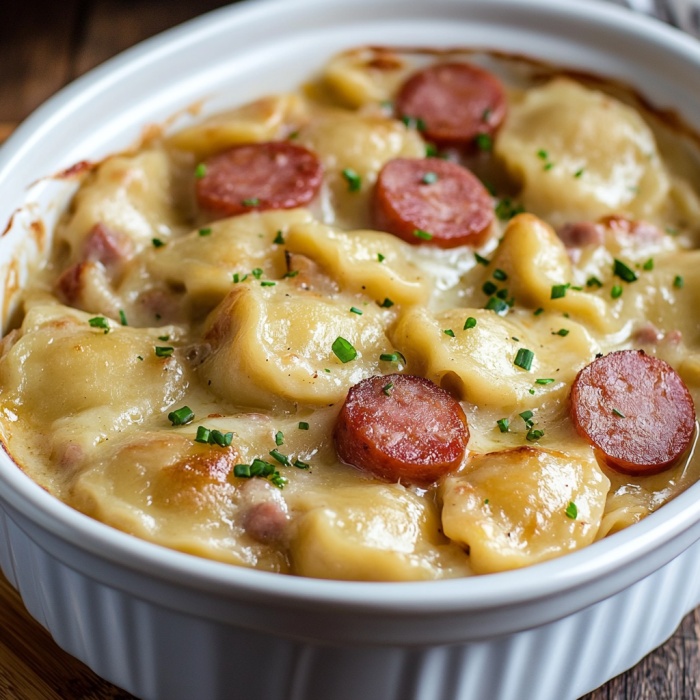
column 43, row 45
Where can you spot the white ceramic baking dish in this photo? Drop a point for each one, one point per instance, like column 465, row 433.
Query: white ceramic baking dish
column 169, row 626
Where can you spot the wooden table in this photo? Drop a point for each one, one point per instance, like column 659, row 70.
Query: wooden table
column 44, row 45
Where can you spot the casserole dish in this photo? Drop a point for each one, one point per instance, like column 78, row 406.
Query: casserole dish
column 166, row 625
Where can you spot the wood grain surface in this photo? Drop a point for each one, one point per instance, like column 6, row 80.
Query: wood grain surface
column 45, row 44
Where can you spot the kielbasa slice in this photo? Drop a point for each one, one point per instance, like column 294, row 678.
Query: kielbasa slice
column 400, row 427
column 430, row 201
column 635, row 410
column 259, row 176
column 455, row 101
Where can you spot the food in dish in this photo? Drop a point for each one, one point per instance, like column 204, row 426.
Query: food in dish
column 430, row 316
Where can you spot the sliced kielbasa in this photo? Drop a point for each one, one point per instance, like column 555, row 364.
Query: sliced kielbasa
column 259, row 176
column 455, row 101
column 635, row 410
column 432, row 201
column 400, row 427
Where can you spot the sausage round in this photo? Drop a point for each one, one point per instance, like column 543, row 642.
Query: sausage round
column 400, row 427
column 455, row 101
column 259, row 176
column 448, row 208
column 658, row 415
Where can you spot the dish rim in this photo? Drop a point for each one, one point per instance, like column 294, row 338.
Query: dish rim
column 511, row 588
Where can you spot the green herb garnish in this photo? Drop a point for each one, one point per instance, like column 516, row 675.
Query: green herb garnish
column 303, row 426
column 386, row 389
column 429, row 178
column 524, row 359
column 157, row 243
column 182, row 416
column 424, row 235
column 484, row 142
column 205, row 232
column 624, row 272
column 251, row 202
column 99, row 322
column 559, row 290
column 469, row 323
column 449, row 332
column 571, row 511
column 386, row 304
column 279, row 438
column 343, row 350
column 200, row 171
column 353, row 179
column 122, row 317
column 279, row 238
column 678, row 282
column 163, row 351
column 616, row 292
column 503, row 425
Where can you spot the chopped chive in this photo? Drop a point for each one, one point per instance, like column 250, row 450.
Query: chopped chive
column 489, row 288
column 619, row 413
column 571, row 511
column 517, row 340
column 204, row 231
column 502, row 294
column 503, row 425
column 616, row 292
column 380, row 257
column 506, row 209
column 293, row 135
column 343, row 350
column 498, row 305
column 122, row 317
column 484, row 142
column 649, row 264
column 481, row 260
column 200, row 171
column 251, row 202
column 386, row 304
column 164, row 337
column 237, row 278
column 449, row 332
column 418, row 233
column 624, row 272
column 593, row 282
column 282, row 459
column 353, row 179
column 562, row 332
column 469, row 323
column 326, row 370
column 387, row 388
column 303, row 425
column 527, row 418
column 163, row 351
column 678, row 282
column 279, row 238
column 524, row 359
column 301, row 465
column 671, row 231
column 99, row 322
column 542, row 154
column 486, row 501
column 489, row 187
column 534, row 434
column 257, row 273
column 578, row 173
column 140, row 358
column 157, row 243
column 267, row 283
column 242, row 471
column 430, row 150
column 260, row 467
column 544, row 381
column 537, row 312
column 576, row 289
column 389, row 357
column 548, row 166
column 202, row 434
column 559, row 290
column 429, row 178
column 292, row 273
column 486, row 114
column 355, row 310
column 500, row 275
column 182, row 416
column 531, row 391
column 279, row 438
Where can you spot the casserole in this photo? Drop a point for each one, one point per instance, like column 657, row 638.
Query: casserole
column 141, row 616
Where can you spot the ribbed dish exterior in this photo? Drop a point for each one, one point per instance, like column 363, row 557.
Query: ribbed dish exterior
column 159, row 653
